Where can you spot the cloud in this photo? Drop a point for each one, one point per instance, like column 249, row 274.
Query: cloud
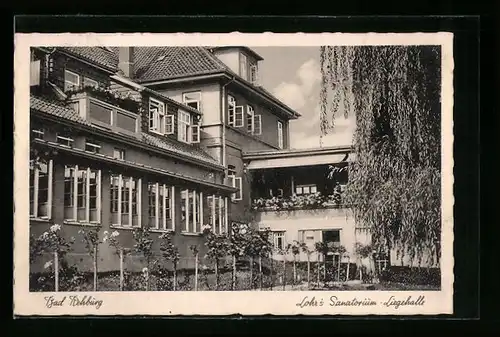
column 297, row 93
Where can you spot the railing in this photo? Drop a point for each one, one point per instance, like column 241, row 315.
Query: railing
column 297, row 202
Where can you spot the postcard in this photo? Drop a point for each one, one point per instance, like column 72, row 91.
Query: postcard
column 221, row 174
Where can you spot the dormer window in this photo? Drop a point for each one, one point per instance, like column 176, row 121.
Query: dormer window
column 243, row 66
column 187, row 132
column 159, row 121
column 192, row 99
column 254, row 75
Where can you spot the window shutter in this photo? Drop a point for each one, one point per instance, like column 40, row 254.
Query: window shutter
column 169, row 124
column 257, row 124
column 254, row 75
column 232, row 182
column 195, row 133
column 238, row 117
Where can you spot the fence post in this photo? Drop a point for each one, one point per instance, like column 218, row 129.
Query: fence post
column 121, row 269
column 95, row 268
column 56, row 271
column 284, row 272
column 251, row 272
column 196, row 272
column 260, row 272
column 338, row 268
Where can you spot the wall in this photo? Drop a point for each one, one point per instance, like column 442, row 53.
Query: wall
column 230, row 57
column 269, row 135
column 293, row 221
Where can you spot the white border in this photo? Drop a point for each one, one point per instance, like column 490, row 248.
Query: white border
column 225, row 303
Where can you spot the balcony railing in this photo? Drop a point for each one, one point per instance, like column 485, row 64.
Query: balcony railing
column 125, row 100
column 297, row 202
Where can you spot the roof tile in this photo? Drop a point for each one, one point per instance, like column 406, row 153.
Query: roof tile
column 56, row 109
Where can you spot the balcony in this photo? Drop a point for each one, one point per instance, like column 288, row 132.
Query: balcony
column 106, row 109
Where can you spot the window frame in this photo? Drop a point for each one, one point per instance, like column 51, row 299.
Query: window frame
column 253, row 74
column 93, row 144
column 37, row 133
column 239, row 112
column 158, row 116
column 120, row 151
column 244, row 66
column 257, row 121
column 281, row 140
column 250, row 119
column 184, row 123
column 164, row 207
column 187, row 101
column 35, row 186
column 129, row 199
column 277, row 235
column 74, row 194
column 69, row 141
column 231, row 103
column 192, row 202
column 73, row 86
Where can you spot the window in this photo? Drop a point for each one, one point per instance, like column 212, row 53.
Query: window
column 238, row 116
column 125, row 206
column 37, row 134
column 243, row 66
column 71, row 80
column 257, row 125
column 169, row 124
column 195, row 133
column 217, row 208
column 231, row 102
column 184, row 125
column 280, row 134
column 92, row 146
column 254, row 79
column 156, row 116
column 235, row 182
column 192, row 99
column 161, row 206
column 64, row 139
column 250, row 119
column 41, row 190
column 88, row 82
column 192, row 210
column 119, row 153
column 305, row 189
column 279, row 240
column 82, row 194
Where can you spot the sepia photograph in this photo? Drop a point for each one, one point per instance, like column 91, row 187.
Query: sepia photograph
column 321, row 171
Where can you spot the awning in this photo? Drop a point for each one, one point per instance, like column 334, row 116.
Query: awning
column 296, row 161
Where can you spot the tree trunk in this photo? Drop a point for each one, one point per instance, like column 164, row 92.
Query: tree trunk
column 217, row 274
column 271, row 273
column 308, row 271
column 251, row 272
column 121, row 269
column 338, row 268
column 95, row 268
column 174, row 285
column 324, row 268
column 260, row 272
column 348, row 267
column 284, row 273
column 56, row 271
column 196, row 272
column 233, row 283
column 147, row 276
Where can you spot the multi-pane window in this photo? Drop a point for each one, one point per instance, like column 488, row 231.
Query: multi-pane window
column 184, row 125
column 161, row 206
column 156, row 116
column 250, row 119
column 279, row 240
column 217, row 209
column 257, row 124
column 41, row 190
column 306, row 189
column 235, row 182
column 280, row 135
column 125, row 206
column 91, row 145
column 71, row 80
column 231, row 102
column 82, row 194
column 192, row 99
column 192, row 210
column 254, row 75
column 64, row 138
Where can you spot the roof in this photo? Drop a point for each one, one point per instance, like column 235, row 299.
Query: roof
column 168, row 63
column 297, row 152
column 248, row 50
column 57, row 109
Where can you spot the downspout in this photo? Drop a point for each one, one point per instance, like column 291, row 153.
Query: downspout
column 224, row 111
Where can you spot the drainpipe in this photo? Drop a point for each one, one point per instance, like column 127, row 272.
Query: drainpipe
column 224, row 108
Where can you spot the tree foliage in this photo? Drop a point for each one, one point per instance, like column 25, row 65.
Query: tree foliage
column 394, row 183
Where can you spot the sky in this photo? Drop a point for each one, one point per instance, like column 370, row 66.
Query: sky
column 293, row 75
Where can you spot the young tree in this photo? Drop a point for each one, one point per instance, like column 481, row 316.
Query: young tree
column 144, row 245
column 171, row 253
column 394, row 184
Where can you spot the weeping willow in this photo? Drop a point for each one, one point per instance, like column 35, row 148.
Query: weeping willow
column 394, row 184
